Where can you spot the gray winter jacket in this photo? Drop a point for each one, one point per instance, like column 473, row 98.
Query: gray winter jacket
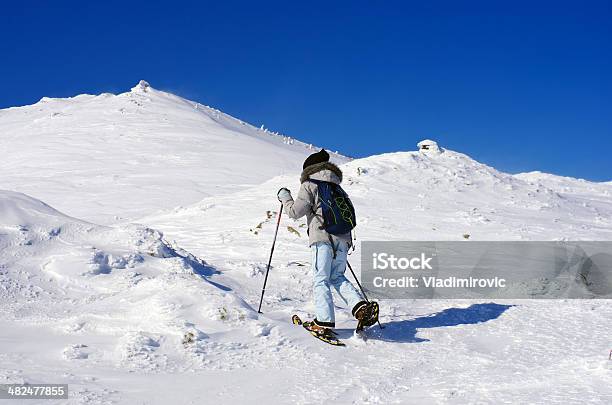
column 307, row 202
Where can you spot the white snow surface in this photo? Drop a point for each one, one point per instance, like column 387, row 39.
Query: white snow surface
column 109, row 158
column 158, row 305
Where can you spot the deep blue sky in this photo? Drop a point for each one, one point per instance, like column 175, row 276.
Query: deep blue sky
column 520, row 85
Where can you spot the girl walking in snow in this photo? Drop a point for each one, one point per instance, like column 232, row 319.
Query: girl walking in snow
column 329, row 249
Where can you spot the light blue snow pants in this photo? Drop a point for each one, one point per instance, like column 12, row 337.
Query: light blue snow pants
column 329, row 272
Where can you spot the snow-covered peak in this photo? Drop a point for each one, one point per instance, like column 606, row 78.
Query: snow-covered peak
column 428, row 146
column 122, row 156
column 142, row 87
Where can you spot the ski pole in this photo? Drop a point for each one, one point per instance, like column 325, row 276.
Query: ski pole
column 263, row 290
column 361, row 288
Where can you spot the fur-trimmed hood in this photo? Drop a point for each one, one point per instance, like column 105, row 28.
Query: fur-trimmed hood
column 313, row 170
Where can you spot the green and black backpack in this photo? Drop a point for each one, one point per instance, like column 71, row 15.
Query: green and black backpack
column 338, row 210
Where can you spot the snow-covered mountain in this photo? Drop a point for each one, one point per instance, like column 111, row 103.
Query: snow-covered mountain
column 165, row 312
column 408, row 196
column 115, row 157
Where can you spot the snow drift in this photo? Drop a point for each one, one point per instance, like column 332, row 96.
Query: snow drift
column 125, row 286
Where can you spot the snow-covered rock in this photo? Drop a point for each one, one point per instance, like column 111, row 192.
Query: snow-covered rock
column 428, row 146
column 142, row 87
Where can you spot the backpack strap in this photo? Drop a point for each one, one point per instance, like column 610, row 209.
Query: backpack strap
column 331, row 242
column 353, row 240
column 313, row 209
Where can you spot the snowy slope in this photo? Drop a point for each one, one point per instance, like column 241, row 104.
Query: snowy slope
column 589, row 194
column 128, row 315
column 106, row 301
column 408, row 196
column 111, row 157
column 142, row 320
column 421, row 196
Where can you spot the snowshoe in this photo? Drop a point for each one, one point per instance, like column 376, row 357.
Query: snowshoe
column 366, row 314
column 326, row 335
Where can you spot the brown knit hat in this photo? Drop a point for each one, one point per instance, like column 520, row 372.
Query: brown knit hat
column 319, row 157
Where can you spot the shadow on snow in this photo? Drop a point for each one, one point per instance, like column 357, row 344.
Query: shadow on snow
column 200, row 268
column 406, row 331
